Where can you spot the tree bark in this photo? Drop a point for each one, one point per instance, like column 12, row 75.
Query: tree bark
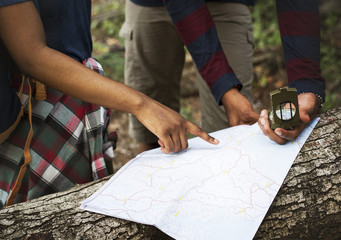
column 306, row 207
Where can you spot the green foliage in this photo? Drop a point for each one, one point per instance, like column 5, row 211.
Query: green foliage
column 263, row 81
column 330, row 62
column 185, row 110
column 266, row 33
column 332, row 100
column 113, row 64
column 331, row 56
column 330, row 52
column 108, row 17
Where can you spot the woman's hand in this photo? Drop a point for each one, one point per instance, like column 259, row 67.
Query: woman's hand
column 309, row 106
column 169, row 126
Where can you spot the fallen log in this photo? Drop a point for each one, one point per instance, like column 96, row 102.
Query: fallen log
column 307, row 205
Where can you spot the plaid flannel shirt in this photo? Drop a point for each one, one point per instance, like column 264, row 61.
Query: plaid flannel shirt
column 66, row 148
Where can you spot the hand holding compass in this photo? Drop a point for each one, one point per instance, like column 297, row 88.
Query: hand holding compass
column 295, row 115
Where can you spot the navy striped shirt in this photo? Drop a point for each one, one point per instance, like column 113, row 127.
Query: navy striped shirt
column 299, row 25
column 159, row 3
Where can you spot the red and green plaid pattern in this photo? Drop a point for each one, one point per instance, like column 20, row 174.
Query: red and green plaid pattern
column 66, row 148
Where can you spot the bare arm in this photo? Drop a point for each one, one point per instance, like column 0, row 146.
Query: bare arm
column 22, row 32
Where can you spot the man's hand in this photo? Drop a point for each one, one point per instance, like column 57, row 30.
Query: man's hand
column 238, row 109
column 309, row 105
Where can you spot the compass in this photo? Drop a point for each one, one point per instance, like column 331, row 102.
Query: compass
column 284, row 109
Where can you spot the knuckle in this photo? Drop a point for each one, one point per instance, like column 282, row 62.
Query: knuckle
column 282, row 141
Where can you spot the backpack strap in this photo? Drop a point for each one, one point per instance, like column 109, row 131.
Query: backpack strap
column 27, row 154
column 39, row 95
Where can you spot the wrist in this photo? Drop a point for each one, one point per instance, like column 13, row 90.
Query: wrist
column 229, row 95
column 232, row 91
column 318, row 101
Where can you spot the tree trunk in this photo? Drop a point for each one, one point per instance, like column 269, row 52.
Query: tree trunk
column 306, row 207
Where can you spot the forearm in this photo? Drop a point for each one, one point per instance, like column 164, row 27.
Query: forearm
column 198, row 32
column 299, row 24
column 22, row 33
column 73, row 78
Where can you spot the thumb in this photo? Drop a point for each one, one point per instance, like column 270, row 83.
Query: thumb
column 160, row 142
column 162, row 145
column 195, row 130
column 304, row 116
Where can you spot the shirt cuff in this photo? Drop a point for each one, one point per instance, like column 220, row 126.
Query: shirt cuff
column 310, row 85
column 223, row 84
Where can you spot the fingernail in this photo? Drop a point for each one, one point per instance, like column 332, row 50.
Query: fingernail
column 262, row 121
column 262, row 113
column 278, row 132
column 216, row 141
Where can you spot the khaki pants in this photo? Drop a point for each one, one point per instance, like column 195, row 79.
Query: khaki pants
column 155, row 58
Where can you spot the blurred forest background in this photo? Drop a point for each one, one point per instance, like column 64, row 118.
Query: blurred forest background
column 269, row 72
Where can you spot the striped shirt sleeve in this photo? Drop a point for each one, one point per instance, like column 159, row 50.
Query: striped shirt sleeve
column 198, row 32
column 299, row 24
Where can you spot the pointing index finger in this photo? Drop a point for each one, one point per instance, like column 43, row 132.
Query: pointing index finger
column 195, row 130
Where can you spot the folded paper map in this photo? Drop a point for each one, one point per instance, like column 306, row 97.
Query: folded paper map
column 205, row 192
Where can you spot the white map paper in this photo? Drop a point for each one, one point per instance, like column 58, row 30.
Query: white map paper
column 205, row 192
